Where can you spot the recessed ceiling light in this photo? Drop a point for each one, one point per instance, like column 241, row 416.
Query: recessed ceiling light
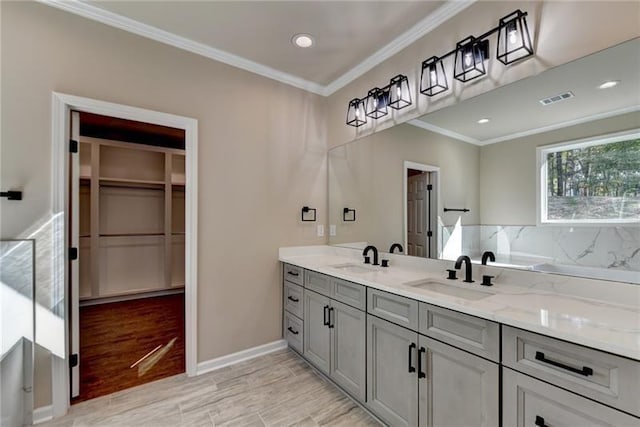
column 484, row 120
column 303, row 40
column 609, row 84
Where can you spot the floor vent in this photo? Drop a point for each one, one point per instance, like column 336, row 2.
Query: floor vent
column 556, row 98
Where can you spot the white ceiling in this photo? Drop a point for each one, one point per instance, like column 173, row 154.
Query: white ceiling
column 351, row 37
column 515, row 111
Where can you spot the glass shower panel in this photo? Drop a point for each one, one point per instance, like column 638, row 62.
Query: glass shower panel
column 17, row 314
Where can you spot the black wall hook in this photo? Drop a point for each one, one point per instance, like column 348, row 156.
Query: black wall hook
column 12, row 195
column 307, row 209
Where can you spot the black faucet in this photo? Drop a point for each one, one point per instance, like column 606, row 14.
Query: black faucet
column 395, row 246
column 458, row 266
column 488, row 255
column 375, row 255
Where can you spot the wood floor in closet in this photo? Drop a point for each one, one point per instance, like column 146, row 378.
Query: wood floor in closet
column 114, row 336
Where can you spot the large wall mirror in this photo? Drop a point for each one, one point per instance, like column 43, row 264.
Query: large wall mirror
column 544, row 173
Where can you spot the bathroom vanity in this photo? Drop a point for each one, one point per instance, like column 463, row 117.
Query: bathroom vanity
column 417, row 349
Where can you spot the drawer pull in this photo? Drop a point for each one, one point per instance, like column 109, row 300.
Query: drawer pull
column 290, row 298
column 586, row 371
column 421, row 374
column 540, row 421
column 325, row 322
column 292, row 331
column 411, row 367
column 293, row 273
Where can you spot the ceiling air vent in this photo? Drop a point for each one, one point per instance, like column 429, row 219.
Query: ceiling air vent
column 556, row 98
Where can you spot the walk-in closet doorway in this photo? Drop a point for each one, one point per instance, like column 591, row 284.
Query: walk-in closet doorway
column 129, row 204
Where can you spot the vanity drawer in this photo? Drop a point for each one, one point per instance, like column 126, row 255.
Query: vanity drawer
column 528, row 402
column 317, row 282
column 294, row 274
column 293, row 299
column 394, row 308
column 610, row 379
column 349, row 293
column 470, row 333
column 293, row 331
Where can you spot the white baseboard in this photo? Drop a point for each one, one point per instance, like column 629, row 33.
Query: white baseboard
column 241, row 356
column 42, row 414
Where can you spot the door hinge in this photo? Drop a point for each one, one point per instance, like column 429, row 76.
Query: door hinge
column 429, row 187
column 73, row 146
column 429, row 233
column 73, row 254
column 73, row 360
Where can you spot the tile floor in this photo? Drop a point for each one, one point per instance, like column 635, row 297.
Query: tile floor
column 278, row 389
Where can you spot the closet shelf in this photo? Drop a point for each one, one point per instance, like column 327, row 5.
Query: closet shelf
column 131, row 234
column 135, row 183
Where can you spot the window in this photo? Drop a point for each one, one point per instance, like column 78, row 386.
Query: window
column 591, row 181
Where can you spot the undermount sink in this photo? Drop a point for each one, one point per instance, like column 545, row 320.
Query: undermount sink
column 353, row 268
column 450, row 289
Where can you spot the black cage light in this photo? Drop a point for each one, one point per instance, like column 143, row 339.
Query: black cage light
column 399, row 93
column 514, row 42
column 356, row 113
column 433, row 79
column 376, row 105
column 469, row 60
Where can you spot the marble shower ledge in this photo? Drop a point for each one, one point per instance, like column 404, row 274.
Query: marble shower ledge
column 595, row 313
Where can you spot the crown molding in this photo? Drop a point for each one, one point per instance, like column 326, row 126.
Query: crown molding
column 89, row 11
column 443, row 131
column 118, row 21
column 529, row 132
column 422, row 28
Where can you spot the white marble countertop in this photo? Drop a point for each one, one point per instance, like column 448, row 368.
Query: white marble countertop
column 599, row 314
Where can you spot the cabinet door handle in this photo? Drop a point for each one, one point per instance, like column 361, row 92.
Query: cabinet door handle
column 292, row 331
column 586, row 371
column 293, row 273
column 540, row 421
column 331, row 323
column 326, row 314
column 421, row 373
column 412, row 368
column 290, row 298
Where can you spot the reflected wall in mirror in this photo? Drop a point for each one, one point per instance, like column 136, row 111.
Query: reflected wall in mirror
column 493, row 169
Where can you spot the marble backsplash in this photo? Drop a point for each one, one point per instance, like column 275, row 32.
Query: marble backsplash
column 610, row 247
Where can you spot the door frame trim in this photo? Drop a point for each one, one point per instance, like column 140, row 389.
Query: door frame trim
column 62, row 104
column 424, row 168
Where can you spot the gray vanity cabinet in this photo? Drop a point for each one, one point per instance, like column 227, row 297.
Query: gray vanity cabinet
column 348, row 347
column 392, row 386
column 456, row 387
column 528, row 402
column 334, row 341
column 317, row 334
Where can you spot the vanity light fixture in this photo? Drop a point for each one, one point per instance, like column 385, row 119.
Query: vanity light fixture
column 399, row 93
column 609, row 84
column 303, row 40
column 469, row 60
column 356, row 114
column 470, row 54
column 377, row 101
column 433, row 79
column 514, row 42
column 396, row 95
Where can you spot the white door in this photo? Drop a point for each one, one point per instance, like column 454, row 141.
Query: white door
column 74, row 241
